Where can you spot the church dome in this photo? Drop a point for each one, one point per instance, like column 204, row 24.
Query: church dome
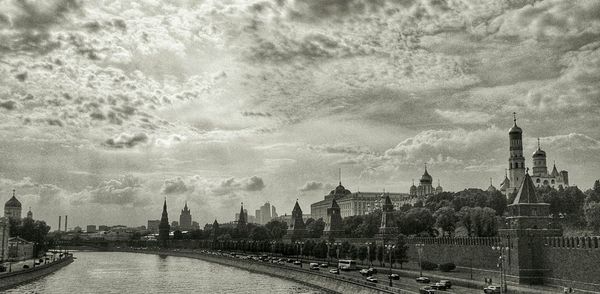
column 13, row 202
column 426, row 177
column 515, row 129
column 539, row 153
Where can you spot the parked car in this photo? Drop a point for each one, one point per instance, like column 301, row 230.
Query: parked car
column 426, row 290
column 394, row 276
column 334, row 271
column 492, row 289
column 447, row 283
column 424, row 280
column 314, row 266
column 439, row 286
column 372, row 279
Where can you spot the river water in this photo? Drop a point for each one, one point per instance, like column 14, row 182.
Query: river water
column 129, row 273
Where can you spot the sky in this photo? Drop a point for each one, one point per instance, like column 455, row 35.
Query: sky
column 109, row 107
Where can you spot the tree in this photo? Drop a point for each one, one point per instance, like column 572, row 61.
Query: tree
column 277, row 229
column 400, row 253
column 177, row 235
column 464, row 215
column 315, row 228
column 593, row 195
column 592, row 216
column 484, row 222
column 362, row 253
column 416, row 221
column 260, row 233
column 445, row 219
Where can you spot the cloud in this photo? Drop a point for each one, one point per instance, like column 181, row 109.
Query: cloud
column 175, row 186
column 464, row 117
column 8, row 105
column 125, row 190
column 231, row 185
column 311, row 186
column 125, row 140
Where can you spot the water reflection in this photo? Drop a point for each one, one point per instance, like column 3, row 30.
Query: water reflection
column 110, row 272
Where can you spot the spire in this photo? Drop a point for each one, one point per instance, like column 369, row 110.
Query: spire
column 491, row 181
column 539, row 148
column 185, row 206
column 413, row 181
column 14, row 192
column 340, row 175
column 515, row 118
column 506, row 173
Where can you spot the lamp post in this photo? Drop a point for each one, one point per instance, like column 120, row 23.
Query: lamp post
column 337, row 251
column 390, row 247
column 501, row 258
column 328, row 246
column 420, row 251
column 369, row 253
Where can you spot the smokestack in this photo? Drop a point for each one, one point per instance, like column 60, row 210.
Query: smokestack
column 66, row 222
column 59, row 222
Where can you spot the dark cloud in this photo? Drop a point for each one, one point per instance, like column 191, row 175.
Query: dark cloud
column 232, row 185
column 175, row 186
column 252, row 113
column 311, row 186
column 31, row 22
column 54, row 122
column 8, row 105
column 21, row 77
column 125, row 140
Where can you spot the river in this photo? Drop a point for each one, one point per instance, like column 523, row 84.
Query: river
column 129, row 273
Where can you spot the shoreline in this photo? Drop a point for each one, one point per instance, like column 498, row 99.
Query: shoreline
column 11, row 280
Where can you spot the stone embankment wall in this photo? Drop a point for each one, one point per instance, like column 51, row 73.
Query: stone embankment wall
column 327, row 282
column 466, row 252
column 10, row 280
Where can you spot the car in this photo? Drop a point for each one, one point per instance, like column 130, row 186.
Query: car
column 492, row 289
column 439, row 286
column 297, row 262
column 372, row 279
column 289, row 260
column 365, row 272
column 314, row 266
column 447, row 283
column 334, row 271
column 373, row 270
column 426, row 290
column 424, row 280
column 324, row 265
column 394, row 276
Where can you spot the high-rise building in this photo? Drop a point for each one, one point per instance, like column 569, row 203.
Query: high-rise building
column 153, row 225
column 195, row 226
column 12, row 207
column 103, row 228
column 91, row 228
column 265, row 213
column 185, row 219
column 273, row 212
column 164, row 228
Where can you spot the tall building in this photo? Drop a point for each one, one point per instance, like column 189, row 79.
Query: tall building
column 516, row 165
column 273, row 212
column 152, row 225
column 164, row 228
column 185, row 219
column 12, row 207
column 91, row 228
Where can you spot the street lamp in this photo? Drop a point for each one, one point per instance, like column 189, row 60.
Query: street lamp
column 390, row 247
column 337, row 251
column 369, row 253
column 501, row 258
column 420, row 251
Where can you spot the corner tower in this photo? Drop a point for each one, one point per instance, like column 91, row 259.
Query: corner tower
column 516, row 161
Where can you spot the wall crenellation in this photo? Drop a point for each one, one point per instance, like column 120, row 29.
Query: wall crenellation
column 584, row 242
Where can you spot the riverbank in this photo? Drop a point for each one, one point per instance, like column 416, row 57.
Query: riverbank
column 10, row 280
column 325, row 282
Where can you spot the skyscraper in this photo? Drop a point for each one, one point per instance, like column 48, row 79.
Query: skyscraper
column 185, row 219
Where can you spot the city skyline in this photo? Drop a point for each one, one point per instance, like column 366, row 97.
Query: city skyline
column 107, row 109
